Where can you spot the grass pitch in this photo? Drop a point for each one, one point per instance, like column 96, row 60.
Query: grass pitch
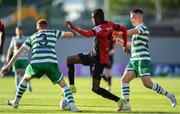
column 45, row 97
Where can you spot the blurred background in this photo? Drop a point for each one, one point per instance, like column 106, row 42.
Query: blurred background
column 161, row 16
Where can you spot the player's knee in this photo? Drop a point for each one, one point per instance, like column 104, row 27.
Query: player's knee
column 147, row 85
column 68, row 60
column 124, row 80
column 26, row 78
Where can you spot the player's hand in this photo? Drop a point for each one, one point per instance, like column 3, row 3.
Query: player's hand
column 5, row 70
column 126, row 50
column 117, row 34
column 68, row 23
column 119, row 41
column 111, row 52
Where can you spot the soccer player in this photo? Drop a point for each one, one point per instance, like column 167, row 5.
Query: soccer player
column 99, row 56
column 2, row 37
column 108, row 67
column 140, row 61
column 21, row 63
column 43, row 61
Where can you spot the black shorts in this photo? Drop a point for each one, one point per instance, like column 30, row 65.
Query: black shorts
column 110, row 62
column 96, row 68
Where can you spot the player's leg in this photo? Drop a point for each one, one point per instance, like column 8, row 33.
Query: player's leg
column 18, row 78
column 108, row 68
column 20, row 91
column 68, row 95
column 56, row 77
column 145, row 72
column 109, row 78
column 81, row 58
column 96, row 71
column 71, row 60
column 157, row 88
column 24, row 64
column 128, row 75
column 17, row 73
column 21, row 73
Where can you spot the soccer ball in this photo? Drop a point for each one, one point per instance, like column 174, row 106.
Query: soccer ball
column 64, row 105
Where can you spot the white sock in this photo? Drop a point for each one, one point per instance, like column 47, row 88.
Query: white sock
column 159, row 89
column 125, row 91
column 68, row 95
column 20, row 91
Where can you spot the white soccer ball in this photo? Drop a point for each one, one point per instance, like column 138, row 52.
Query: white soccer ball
column 64, row 105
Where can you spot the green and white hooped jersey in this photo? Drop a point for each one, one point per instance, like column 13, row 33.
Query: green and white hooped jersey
column 140, row 44
column 17, row 42
column 42, row 44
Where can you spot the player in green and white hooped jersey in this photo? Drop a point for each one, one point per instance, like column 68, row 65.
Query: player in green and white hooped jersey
column 43, row 61
column 19, row 66
column 140, row 61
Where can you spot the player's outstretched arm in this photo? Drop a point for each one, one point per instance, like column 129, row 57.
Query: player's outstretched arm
column 131, row 32
column 9, row 53
column 6, row 68
column 87, row 33
column 2, row 37
column 68, row 34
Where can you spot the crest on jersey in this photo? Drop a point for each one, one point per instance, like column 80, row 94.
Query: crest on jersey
column 97, row 29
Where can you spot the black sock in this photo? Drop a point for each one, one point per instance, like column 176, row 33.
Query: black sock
column 104, row 77
column 70, row 68
column 106, row 94
column 109, row 80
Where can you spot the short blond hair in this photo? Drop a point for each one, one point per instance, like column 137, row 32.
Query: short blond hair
column 42, row 23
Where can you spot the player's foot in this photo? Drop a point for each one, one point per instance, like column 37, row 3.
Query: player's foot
column 11, row 103
column 123, row 105
column 172, row 99
column 120, row 104
column 72, row 88
column 75, row 109
column 126, row 107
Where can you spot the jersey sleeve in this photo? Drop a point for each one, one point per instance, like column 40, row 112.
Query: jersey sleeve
column 87, row 33
column 59, row 34
column 27, row 44
column 140, row 29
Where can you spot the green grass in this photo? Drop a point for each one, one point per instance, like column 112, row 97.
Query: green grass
column 45, row 97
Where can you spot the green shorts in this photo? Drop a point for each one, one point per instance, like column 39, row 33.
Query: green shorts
column 20, row 65
column 141, row 67
column 51, row 70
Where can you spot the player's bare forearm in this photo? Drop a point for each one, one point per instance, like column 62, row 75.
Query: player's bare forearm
column 129, row 43
column 9, row 54
column 2, row 37
column 131, row 32
column 21, row 51
column 68, row 34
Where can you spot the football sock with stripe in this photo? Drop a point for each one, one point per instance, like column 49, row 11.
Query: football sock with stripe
column 125, row 91
column 68, row 95
column 21, row 89
column 156, row 87
column 17, row 81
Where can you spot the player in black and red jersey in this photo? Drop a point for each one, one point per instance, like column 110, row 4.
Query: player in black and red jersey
column 99, row 56
column 2, row 37
column 108, row 68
